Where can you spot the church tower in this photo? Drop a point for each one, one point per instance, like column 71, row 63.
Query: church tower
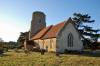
column 37, row 23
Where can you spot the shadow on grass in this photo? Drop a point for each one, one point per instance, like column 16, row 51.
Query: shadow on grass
column 4, row 54
column 91, row 53
column 86, row 53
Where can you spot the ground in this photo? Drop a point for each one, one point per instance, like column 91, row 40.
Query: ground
column 12, row 58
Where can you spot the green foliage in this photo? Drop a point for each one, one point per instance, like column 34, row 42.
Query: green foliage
column 22, row 37
column 89, row 35
column 1, row 50
column 81, row 18
column 8, row 45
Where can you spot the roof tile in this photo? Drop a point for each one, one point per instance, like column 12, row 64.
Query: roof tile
column 41, row 33
column 54, row 30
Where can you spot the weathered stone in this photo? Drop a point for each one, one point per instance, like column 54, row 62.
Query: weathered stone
column 37, row 23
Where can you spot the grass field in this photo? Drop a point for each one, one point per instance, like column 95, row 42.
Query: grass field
column 49, row 59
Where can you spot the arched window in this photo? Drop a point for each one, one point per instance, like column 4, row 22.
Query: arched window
column 70, row 40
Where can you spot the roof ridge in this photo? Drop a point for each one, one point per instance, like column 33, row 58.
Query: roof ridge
column 47, row 30
column 42, row 32
column 54, row 30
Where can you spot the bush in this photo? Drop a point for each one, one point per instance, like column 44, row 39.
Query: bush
column 1, row 51
column 5, row 49
column 66, row 51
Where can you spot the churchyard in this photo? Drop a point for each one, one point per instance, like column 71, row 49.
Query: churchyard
column 12, row 58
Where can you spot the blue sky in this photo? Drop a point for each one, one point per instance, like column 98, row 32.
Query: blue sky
column 15, row 15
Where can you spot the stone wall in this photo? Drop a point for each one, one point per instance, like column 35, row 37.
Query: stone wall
column 47, row 44
column 62, row 39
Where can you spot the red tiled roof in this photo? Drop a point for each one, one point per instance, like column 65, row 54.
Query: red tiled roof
column 51, row 31
column 41, row 33
column 54, row 30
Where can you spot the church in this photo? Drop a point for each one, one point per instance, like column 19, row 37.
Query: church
column 54, row 38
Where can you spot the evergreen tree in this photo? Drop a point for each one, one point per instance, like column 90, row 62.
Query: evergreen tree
column 89, row 35
column 23, row 36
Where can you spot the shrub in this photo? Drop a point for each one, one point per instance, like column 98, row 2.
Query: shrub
column 1, row 51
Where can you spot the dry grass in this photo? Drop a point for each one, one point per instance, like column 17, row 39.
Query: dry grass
column 49, row 59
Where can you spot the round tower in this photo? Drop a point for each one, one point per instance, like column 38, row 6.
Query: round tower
column 37, row 23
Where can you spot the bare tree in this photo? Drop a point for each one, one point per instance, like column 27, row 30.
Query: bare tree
column 1, row 40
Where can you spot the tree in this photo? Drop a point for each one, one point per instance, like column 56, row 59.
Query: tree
column 89, row 35
column 11, row 44
column 79, row 19
column 1, row 40
column 1, row 46
column 22, row 37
